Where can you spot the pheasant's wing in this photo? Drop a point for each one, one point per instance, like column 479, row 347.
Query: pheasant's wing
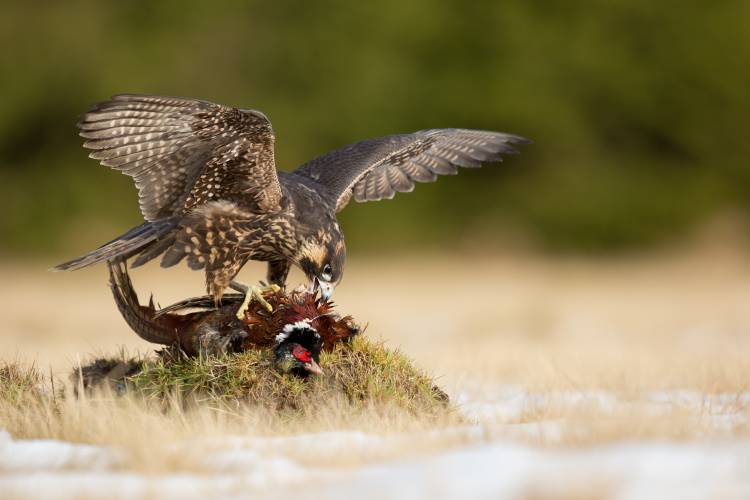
column 183, row 153
column 203, row 303
column 378, row 168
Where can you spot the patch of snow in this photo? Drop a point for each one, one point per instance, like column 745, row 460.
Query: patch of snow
column 122, row 485
column 256, row 468
column 502, row 470
column 48, row 454
column 638, row 471
column 509, row 404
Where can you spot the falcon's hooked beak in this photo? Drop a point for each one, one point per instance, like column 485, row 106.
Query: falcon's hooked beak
column 326, row 287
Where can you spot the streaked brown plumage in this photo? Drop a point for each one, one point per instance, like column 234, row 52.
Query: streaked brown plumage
column 210, row 193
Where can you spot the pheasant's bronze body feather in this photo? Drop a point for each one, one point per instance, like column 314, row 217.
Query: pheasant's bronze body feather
column 210, row 193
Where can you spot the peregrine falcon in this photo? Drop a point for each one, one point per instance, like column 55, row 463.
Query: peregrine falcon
column 210, row 193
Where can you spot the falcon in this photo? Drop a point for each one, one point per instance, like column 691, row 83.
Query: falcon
column 210, row 193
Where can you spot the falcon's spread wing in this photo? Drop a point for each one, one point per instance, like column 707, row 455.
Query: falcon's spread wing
column 183, row 153
column 378, row 168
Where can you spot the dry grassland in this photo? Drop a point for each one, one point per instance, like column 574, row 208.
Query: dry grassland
column 553, row 353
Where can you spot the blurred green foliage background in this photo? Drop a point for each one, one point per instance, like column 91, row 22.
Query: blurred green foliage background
column 638, row 109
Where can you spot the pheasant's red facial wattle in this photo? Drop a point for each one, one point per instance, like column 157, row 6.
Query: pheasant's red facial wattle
column 301, row 354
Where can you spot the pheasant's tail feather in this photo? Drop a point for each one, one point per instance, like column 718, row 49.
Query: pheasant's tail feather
column 140, row 318
column 132, row 242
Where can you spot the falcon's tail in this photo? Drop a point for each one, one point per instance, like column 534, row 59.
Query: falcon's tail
column 142, row 239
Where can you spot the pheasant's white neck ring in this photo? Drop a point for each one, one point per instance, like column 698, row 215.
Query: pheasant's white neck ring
column 291, row 327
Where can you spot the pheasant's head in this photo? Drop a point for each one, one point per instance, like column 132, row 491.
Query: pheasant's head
column 297, row 349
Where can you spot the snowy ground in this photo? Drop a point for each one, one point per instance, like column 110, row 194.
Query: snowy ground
column 490, row 458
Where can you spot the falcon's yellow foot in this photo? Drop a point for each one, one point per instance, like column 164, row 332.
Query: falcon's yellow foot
column 253, row 292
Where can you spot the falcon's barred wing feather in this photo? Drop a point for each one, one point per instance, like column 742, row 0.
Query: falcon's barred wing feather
column 379, row 168
column 183, row 153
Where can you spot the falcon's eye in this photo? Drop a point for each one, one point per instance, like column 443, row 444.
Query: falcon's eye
column 327, row 272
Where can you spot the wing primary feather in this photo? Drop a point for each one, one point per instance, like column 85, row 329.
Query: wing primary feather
column 378, row 168
column 437, row 164
column 419, row 173
column 399, row 181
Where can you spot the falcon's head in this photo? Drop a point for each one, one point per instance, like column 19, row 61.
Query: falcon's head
column 297, row 349
column 322, row 259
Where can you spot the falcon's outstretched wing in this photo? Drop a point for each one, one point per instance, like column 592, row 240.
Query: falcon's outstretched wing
column 183, row 153
column 378, row 168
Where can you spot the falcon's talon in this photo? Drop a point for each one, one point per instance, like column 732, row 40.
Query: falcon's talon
column 254, row 292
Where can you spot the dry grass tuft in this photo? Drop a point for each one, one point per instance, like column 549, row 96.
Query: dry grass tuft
column 18, row 382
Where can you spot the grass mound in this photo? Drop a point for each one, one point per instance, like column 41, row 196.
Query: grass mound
column 361, row 374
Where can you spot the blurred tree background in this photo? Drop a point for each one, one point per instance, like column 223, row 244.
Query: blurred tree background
column 638, row 109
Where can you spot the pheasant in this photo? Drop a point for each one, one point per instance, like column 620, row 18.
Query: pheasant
column 300, row 325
